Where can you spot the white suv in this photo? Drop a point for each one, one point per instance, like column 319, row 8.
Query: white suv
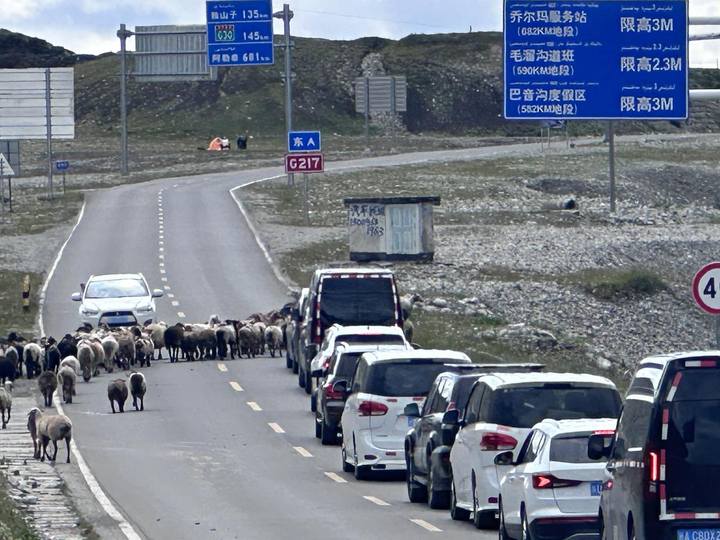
column 374, row 420
column 501, row 410
column 116, row 300
column 553, row 488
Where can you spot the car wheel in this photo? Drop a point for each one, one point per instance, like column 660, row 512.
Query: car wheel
column 481, row 519
column 295, row 366
column 416, row 491
column 346, row 467
column 436, row 499
column 328, row 434
column 525, row 526
column 362, row 472
column 502, row 531
column 301, row 378
column 318, row 429
column 457, row 513
column 313, row 402
column 288, row 360
column 631, row 529
column 308, row 382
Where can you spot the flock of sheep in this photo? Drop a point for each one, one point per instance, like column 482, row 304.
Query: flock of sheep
column 58, row 365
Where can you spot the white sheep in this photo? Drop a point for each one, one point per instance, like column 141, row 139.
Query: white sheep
column 99, row 357
column 138, row 387
column 32, row 356
column 66, row 381
column 273, row 339
column 6, row 402
column 144, row 350
column 86, row 356
column 49, row 427
column 156, row 332
column 110, row 347
column 73, row 363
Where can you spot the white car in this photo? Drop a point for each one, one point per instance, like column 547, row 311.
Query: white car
column 374, row 423
column 501, row 410
column 552, row 489
column 116, row 300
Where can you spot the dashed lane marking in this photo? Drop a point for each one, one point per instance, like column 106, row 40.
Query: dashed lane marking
column 169, row 295
column 425, row 525
column 235, row 386
column 335, row 477
column 161, row 256
column 375, row 500
column 222, row 367
column 175, row 303
column 181, row 314
column 276, row 427
column 167, row 288
column 162, row 271
column 300, row 450
column 163, row 279
column 254, row 406
column 162, row 249
column 162, row 264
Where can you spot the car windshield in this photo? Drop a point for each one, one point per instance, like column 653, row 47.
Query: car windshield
column 403, row 379
column 351, row 301
column 524, row 406
column 360, row 339
column 116, row 288
column 571, row 449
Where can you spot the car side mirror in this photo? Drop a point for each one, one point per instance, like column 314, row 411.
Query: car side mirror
column 76, row 297
column 340, row 387
column 412, row 410
column 599, row 446
column 157, row 293
column 451, row 417
column 317, row 373
column 504, row 458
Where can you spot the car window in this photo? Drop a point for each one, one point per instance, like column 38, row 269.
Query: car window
column 525, row 447
column 633, row 427
column 429, row 405
column 384, row 339
column 535, row 447
column 346, row 365
column 402, row 379
column 351, row 301
column 461, row 391
column 474, row 404
column 359, row 377
column 116, row 288
column 571, row 449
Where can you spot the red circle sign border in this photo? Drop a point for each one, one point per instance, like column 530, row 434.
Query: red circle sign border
column 696, row 281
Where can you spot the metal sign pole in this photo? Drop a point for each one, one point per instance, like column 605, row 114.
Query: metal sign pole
column 10, row 191
column 286, row 14
column 123, row 34
column 611, row 141
column 48, row 122
column 367, row 110
column 306, row 198
column 2, row 184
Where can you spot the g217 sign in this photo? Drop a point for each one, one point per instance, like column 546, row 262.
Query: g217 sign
column 304, row 163
column 596, row 59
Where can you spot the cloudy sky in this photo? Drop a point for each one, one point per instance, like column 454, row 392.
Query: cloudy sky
column 88, row 26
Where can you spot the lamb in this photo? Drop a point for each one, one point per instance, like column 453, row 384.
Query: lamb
column 47, row 383
column 49, row 427
column 110, row 349
column 86, row 357
column 117, row 391
column 156, row 332
column 73, row 363
column 32, row 353
column 5, row 402
column 66, row 380
column 173, row 338
column 138, row 387
column 144, row 350
column 273, row 339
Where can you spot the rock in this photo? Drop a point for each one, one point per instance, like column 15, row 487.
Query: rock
column 603, row 363
column 473, row 300
column 439, row 302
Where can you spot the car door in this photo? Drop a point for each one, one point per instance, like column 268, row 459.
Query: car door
column 461, row 453
column 423, row 426
column 350, row 419
column 513, row 481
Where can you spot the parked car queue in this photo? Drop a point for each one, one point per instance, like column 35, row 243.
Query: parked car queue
column 535, row 454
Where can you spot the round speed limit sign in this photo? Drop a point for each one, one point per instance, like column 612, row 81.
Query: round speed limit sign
column 706, row 288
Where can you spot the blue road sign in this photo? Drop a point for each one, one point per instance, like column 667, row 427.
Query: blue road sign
column 304, row 141
column 62, row 165
column 240, row 32
column 606, row 59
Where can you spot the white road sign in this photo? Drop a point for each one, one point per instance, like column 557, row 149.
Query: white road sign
column 5, row 168
column 706, row 288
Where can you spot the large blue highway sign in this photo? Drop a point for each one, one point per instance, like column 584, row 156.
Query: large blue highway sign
column 304, row 141
column 240, row 32
column 595, row 60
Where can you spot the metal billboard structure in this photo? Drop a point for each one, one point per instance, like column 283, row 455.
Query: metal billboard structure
column 387, row 94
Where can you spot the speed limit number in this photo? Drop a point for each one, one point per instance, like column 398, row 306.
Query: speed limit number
column 706, row 288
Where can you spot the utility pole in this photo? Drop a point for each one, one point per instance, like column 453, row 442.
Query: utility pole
column 286, row 14
column 123, row 34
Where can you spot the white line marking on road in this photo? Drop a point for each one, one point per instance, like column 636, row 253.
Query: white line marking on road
column 162, row 271
column 300, row 450
column 161, row 256
column 161, row 238
column 162, row 248
column 175, row 303
column 222, row 367
column 176, row 185
column 167, row 288
column 335, row 477
column 163, row 279
column 375, row 500
column 425, row 525
column 181, row 314
column 235, row 386
column 169, row 295
column 162, row 264
column 276, row 427
column 90, row 479
column 254, row 406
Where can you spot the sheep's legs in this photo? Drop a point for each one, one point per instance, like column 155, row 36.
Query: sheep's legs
column 112, row 404
column 67, row 443
column 55, row 452
column 4, row 423
column 135, row 403
column 142, row 403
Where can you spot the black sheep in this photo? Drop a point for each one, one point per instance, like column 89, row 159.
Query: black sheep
column 52, row 356
column 173, row 341
column 67, row 347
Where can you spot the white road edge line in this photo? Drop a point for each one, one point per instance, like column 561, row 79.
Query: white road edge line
column 92, row 483
column 300, row 450
column 335, row 477
column 425, row 525
column 276, row 427
column 375, row 500
column 253, row 230
column 254, row 406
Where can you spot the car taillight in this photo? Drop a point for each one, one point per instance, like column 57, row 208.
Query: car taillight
column 326, row 364
column 548, row 481
column 497, row 442
column 330, row 393
column 653, row 466
column 372, row 408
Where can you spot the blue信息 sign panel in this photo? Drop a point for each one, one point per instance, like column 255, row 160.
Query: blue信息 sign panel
column 596, row 59
column 240, row 32
column 62, row 165
column 304, row 141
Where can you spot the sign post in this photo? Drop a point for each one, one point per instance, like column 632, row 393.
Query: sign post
column 706, row 291
column 62, row 166
column 603, row 60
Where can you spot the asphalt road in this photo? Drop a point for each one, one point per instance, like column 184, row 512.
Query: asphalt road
column 203, row 460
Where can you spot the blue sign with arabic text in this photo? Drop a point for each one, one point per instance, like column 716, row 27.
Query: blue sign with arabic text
column 240, row 32
column 304, row 141
column 596, row 59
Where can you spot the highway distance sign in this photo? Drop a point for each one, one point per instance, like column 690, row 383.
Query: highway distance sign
column 600, row 60
column 304, row 141
column 706, row 288
column 304, row 163
column 240, row 32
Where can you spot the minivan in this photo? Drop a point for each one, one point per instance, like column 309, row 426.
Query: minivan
column 663, row 469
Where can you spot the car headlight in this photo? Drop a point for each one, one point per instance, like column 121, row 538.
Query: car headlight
column 89, row 311
column 145, row 309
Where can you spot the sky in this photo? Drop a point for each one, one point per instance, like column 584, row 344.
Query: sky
column 89, row 26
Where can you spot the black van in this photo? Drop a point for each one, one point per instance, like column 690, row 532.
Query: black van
column 347, row 296
column 664, row 461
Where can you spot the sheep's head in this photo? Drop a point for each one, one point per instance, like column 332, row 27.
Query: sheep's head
column 8, row 386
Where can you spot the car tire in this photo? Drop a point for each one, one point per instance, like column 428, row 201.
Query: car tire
column 502, row 530
column 525, row 533
column 301, row 378
column 457, row 513
column 317, row 428
column 308, row 382
column 295, row 366
column 362, row 472
column 417, row 493
column 328, row 434
column 437, row 500
column 313, row 402
column 288, row 360
column 346, row 467
column 481, row 519
column 631, row 529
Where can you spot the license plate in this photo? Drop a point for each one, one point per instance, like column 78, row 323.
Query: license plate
column 698, row 534
column 596, row 489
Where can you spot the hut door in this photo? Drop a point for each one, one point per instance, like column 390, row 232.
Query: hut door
column 404, row 229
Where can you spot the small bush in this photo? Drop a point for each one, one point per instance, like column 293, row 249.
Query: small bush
column 623, row 284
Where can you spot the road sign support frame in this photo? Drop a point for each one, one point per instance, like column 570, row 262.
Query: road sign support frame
column 123, row 34
column 48, row 122
column 286, row 15
column 611, row 160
